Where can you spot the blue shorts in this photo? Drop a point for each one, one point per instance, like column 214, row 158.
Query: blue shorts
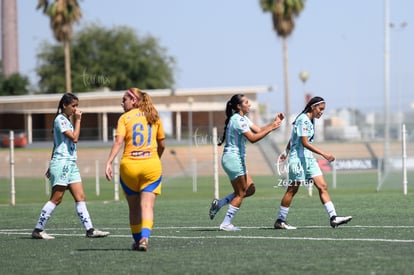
column 64, row 172
column 302, row 169
column 233, row 165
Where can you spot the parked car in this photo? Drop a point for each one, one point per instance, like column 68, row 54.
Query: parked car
column 20, row 140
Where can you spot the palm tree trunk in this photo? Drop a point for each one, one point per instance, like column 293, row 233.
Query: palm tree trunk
column 287, row 96
column 66, row 45
column 9, row 37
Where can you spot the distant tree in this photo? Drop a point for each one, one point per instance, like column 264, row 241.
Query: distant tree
column 63, row 14
column 283, row 15
column 115, row 58
column 15, row 84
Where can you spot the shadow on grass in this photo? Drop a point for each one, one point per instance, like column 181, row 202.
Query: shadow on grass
column 102, row 249
column 297, row 229
column 247, row 228
column 206, row 229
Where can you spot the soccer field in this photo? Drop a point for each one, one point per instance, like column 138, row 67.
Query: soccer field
column 379, row 239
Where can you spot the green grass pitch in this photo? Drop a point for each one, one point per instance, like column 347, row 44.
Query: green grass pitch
column 379, row 239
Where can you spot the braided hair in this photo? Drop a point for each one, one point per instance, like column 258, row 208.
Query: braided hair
column 231, row 109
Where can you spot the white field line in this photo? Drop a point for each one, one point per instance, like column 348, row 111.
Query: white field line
column 216, row 227
column 230, row 235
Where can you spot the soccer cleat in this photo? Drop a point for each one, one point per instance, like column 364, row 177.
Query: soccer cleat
column 134, row 246
column 41, row 234
column 214, row 208
column 280, row 224
column 94, row 233
column 141, row 246
column 336, row 221
column 229, row 227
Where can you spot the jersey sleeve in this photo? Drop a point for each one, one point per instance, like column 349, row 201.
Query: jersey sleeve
column 120, row 128
column 304, row 127
column 243, row 124
column 63, row 124
column 160, row 132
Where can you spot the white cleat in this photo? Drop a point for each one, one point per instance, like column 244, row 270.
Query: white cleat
column 41, row 234
column 94, row 233
column 229, row 227
column 279, row 224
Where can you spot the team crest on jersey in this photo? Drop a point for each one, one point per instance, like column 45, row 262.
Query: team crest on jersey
column 63, row 122
column 243, row 122
column 307, row 126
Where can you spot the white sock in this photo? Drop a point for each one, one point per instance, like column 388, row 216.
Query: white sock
column 330, row 209
column 45, row 214
column 231, row 212
column 84, row 215
column 283, row 212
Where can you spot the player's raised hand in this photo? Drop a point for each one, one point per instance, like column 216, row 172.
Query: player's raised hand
column 78, row 114
column 278, row 120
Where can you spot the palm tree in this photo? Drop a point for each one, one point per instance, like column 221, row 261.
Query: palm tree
column 9, row 35
column 283, row 14
column 63, row 14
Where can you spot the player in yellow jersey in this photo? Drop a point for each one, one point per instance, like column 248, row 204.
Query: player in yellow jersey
column 141, row 130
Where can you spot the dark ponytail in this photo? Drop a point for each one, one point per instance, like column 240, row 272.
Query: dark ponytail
column 66, row 99
column 231, row 108
column 314, row 101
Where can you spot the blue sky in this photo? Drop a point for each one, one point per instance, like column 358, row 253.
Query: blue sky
column 231, row 43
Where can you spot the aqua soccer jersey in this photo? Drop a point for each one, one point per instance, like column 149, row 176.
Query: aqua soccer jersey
column 302, row 127
column 235, row 140
column 64, row 148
